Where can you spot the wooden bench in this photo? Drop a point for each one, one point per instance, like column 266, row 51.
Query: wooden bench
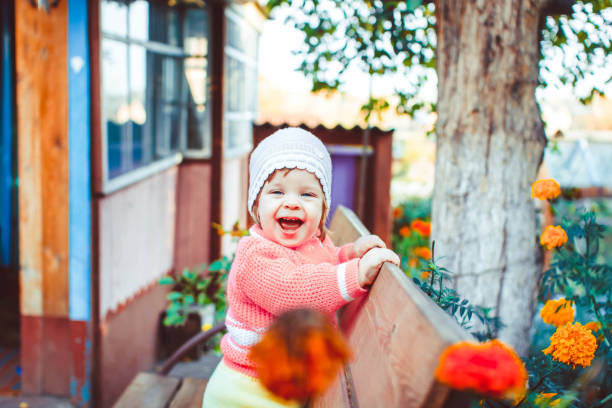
column 397, row 334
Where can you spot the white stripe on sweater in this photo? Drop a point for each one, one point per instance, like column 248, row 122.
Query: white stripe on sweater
column 243, row 337
column 236, row 347
column 341, row 271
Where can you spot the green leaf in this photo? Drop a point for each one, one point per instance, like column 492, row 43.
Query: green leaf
column 174, row 296
column 189, row 300
column 173, row 320
column 166, row 280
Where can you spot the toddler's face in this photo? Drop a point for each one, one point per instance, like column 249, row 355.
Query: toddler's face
column 290, row 207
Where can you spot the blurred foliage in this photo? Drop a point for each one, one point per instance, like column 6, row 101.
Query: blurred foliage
column 399, row 37
column 410, row 239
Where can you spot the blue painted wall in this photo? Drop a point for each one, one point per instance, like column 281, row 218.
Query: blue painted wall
column 79, row 162
column 7, row 184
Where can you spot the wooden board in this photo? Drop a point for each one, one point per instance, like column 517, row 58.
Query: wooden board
column 190, row 394
column 41, row 68
column 148, row 390
column 397, row 334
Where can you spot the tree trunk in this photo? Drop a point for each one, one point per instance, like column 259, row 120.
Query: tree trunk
column 490, row 141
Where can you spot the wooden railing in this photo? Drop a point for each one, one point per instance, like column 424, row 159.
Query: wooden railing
column 397, row 334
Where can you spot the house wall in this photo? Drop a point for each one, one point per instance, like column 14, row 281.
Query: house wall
column 193, row 206
column 136, row 247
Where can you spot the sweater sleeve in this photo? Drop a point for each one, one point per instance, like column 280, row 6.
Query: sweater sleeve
column 277, row 283
column 345, row 252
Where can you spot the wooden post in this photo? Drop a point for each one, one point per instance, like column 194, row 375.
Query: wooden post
column 41, row 59
column 217, row 21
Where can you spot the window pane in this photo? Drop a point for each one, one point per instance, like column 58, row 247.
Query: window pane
column 169, row 104
column 163, row 24
column 238, row 133
column 251, row 81
column 141, row 145
column 242, row 37
column 235, row 89
column 113, row 17
column 139, row 20
column 195, row 44
column 115, row 103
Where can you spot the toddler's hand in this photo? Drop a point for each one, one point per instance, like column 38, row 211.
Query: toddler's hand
column 371, row 262
column 365, row 243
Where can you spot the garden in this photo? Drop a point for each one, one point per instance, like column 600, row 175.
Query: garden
column 570, row 358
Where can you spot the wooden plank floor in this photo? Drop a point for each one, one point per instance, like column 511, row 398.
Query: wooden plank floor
column 157, row 391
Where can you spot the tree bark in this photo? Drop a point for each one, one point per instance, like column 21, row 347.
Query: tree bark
column 490, row 141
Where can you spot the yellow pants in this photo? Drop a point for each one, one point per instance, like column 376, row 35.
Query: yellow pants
column 228, row 388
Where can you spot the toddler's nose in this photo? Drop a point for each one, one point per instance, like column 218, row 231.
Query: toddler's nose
column 291, row 201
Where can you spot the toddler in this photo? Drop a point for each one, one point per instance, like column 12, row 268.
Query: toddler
column 287, row 261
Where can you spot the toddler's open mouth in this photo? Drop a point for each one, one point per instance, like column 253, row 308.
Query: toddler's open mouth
column 290, row 223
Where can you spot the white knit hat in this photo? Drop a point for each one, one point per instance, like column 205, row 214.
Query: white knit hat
column 289, row 148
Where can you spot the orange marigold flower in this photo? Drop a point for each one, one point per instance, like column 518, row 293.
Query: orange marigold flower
column 397, row 212
column 299, row 355
column 545, row 399
column 546, row 189
column 404, row 231
column 425, row 274
column 491, row 368
column 557, row 312
column 422, row 252
column 553, row 237
column 572, row 344
column 423, row 227
column 593, row 326
column 413, row 262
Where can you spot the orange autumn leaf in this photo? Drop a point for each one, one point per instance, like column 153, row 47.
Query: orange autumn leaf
column 299, row 355
column 423, row 227
column 553, row 237
column 422, row 252
column 404, row 231
column 557, row 312
column 572, row 344
column 491, row 368
column 546, row 189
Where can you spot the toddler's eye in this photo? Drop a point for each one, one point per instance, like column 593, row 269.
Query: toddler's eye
column 276, row 192
column 309, row 195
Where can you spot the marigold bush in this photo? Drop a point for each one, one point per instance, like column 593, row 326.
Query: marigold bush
column 490, row 368
column 553, row 237
column 557, row 312
column 299, row 355
column 546, row 189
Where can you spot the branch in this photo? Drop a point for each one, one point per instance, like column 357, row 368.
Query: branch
column 558, row 7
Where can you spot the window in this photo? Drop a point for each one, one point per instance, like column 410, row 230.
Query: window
column 240, row 93
column 154, row 64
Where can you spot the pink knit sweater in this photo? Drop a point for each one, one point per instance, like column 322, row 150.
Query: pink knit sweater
column 267, row 279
